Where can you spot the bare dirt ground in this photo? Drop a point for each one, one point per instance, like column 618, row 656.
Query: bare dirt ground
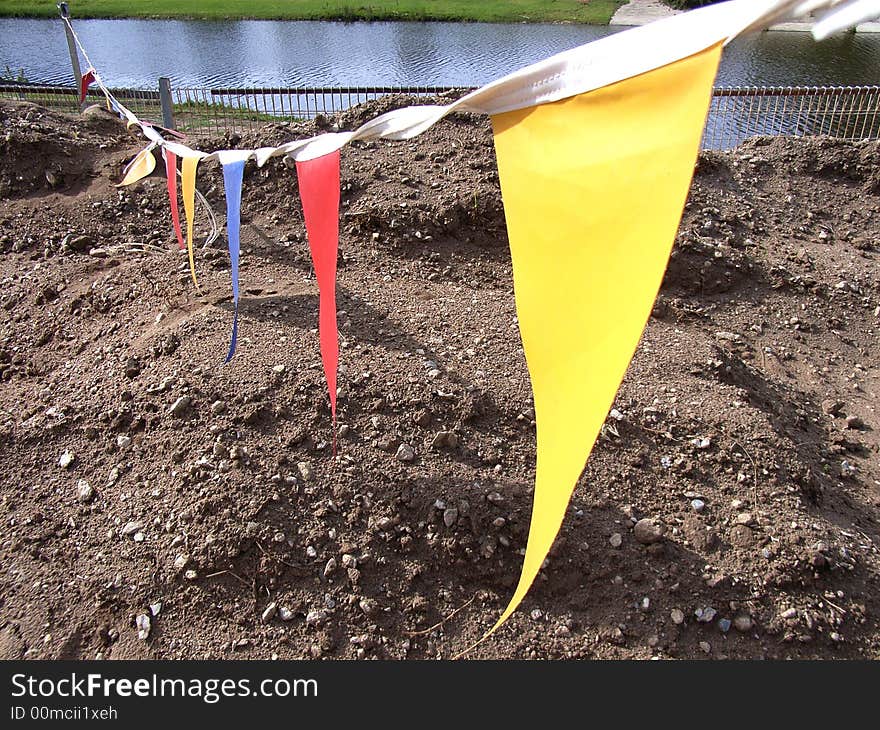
column 141, row 477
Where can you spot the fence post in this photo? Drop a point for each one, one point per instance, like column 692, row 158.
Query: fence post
column 64, row 12
column 166, row 102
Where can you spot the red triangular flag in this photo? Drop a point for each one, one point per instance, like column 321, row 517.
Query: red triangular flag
column 319, row 192
column 87, row 78
column 171, row 174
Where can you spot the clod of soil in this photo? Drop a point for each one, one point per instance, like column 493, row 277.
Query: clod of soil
column 157, row 503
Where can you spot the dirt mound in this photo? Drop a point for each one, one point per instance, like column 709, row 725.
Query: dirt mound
column 144, row 477
column 43, row 150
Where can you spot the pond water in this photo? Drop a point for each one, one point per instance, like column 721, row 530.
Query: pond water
column 135, row 53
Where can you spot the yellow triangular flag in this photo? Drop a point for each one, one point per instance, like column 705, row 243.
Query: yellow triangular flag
column 593, row 187
column 142, row 165
column 188, row 167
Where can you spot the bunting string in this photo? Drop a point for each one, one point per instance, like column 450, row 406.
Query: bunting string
column 578, row 136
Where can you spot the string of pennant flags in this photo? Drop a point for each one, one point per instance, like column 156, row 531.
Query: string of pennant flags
column 596, row 149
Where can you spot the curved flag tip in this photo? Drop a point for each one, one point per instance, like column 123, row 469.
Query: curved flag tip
column 142, row 165
column 234, row 339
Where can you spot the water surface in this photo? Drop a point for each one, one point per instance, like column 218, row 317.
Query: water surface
column 322, row 53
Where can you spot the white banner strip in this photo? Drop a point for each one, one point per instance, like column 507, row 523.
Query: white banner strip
column 588, row 67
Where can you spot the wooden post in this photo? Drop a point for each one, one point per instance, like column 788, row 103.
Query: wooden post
column 166, row 101
column 64, row 12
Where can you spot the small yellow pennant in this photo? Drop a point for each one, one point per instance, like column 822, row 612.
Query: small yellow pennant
column 142, row 165
column 188, row 183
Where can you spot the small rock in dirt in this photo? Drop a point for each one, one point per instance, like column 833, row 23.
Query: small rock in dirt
column 132, row 368
column 385, row 524
column 742, row 536
column 832, row 407
column 727, row 336
column 80, row 244
column 387, row 443
column 724, row 625
column 156, row 608
column 123, row 441
column 84, row 491
column 616, row 540
column 143, row 626
column 305, row 471
column 855, row 423
column 444, row 440
column 190, row 575
column 744, row 518
column 330, row 568
column 218, row 407
column 742, row 623
column 648, row 530
column 130, row 528
column 269, row 612
column 677, row 616
column 349, row 561
column 369, row 606
column 705, row 615
column 180, row 561
column 450, row 516
column 285, row 614
column 405, row 453
column 66, row 459
column 698, row 505
column 706, row 647
column 180, row 406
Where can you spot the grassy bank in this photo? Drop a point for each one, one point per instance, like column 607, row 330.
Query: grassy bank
column 493, row 11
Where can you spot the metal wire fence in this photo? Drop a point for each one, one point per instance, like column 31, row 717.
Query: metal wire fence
column 847, row 112
column 143, row 102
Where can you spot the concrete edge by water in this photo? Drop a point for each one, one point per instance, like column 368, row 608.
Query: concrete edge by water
column 642, row 12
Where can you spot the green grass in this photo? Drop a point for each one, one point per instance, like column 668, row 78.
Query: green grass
column 493, row 11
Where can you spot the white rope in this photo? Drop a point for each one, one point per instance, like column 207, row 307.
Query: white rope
column 585, row 68
column 212, row 220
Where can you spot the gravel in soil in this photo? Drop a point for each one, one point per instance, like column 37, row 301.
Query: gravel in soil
column 158, row 504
